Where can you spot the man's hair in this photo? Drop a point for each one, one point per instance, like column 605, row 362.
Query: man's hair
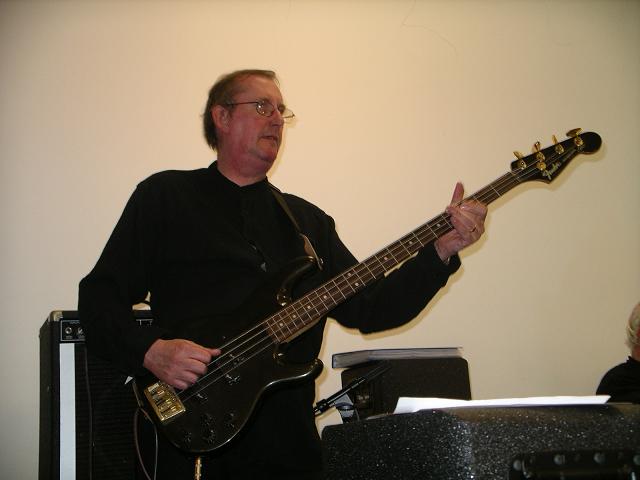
column 632, row 328
column 222, row 92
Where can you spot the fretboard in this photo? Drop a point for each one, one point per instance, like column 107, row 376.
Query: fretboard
column 307, row 310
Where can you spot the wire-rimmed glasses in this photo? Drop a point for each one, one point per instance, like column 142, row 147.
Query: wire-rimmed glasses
column 266, row 108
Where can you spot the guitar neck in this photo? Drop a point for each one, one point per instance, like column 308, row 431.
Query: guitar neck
column 307, row 310
column 303, row 313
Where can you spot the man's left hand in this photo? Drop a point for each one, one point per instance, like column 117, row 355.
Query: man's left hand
column 467, row 219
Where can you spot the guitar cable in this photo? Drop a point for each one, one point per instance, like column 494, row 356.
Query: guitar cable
column 137, row 443
column 198, row 460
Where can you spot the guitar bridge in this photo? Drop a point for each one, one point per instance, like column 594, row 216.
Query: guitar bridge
column 164, row 401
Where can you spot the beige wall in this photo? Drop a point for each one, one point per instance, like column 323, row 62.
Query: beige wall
column 396, row 100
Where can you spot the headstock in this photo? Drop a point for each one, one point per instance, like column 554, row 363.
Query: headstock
column 546, row 164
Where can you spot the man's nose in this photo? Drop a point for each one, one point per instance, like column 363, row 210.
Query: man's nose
column 277, row 118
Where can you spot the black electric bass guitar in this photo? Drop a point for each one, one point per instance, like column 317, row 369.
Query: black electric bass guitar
column 208, row 415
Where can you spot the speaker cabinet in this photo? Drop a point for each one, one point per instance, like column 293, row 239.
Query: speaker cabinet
column 86, row 407
column 416, row 377
column 488, row 443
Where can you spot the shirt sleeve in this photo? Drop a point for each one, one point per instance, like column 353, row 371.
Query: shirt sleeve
column 396, row 298
column 119, row 280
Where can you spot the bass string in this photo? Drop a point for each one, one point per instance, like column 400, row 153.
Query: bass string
column 506, row 182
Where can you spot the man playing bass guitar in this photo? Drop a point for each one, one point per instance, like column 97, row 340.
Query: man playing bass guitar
column 201, row 244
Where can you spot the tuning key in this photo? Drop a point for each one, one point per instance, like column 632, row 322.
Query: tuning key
column 521, row 163
column 539, row 156
column 575, row 135
column 558, row 148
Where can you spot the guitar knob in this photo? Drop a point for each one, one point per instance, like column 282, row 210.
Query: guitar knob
column 208, row 435
column 186, row 437
column 206, row 419
column 201, row 397
column 231, row 420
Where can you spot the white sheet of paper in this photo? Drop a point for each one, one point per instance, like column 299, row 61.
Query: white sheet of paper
column 410, row 405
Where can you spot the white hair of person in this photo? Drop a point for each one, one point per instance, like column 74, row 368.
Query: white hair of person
column 632, row 328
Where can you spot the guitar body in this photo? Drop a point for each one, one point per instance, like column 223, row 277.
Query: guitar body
column 208, row 415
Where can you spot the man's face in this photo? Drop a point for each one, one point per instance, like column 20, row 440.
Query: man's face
column 252, row 140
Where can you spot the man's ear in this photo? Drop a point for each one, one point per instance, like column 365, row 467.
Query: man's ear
column 221, row 117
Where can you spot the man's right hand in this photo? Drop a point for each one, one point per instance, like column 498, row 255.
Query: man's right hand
column 178, row 362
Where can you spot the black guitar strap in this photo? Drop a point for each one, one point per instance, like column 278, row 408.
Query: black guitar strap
column 308, row 247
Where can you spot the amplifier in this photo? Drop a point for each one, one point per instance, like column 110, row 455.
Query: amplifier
column 414, row 377
column 86, row 406
column 488, row 443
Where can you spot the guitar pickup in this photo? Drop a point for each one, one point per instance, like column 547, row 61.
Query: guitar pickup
column 164, row 401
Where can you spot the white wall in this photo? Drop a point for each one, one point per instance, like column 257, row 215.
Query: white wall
column 396, row 100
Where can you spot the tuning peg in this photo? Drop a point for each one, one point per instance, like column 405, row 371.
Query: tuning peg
column 539, row 156
column 557, row 147
column 521, row 163
column 576, row 139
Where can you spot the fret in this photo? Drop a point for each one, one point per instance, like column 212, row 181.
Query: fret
column 341, row 292
column 515, row 177
column 332, row 292
column 376, row 269
column 428, row 224
column 497, row 193
column 295, row 317
column 286, row 325
column 389, row 262
column 346, row 287
column 270, row 329
column 328, row 292
column 439, row 224
column 319, row 297
column 409, row 241
column 418, row 240
column 401, row 243
column 382, row 262
column 352, row 281
column 325, row 296
column 366, row 265
column 319, row 305
column 426, row 233
column 276, row 326
column 310, row 306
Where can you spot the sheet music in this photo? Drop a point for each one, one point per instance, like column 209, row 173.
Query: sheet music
column 410, row 404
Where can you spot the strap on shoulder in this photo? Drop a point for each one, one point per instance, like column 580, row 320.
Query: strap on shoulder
column 308, row 247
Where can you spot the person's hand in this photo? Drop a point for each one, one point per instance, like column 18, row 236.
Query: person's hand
column 178, row 362
column 467, row 219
